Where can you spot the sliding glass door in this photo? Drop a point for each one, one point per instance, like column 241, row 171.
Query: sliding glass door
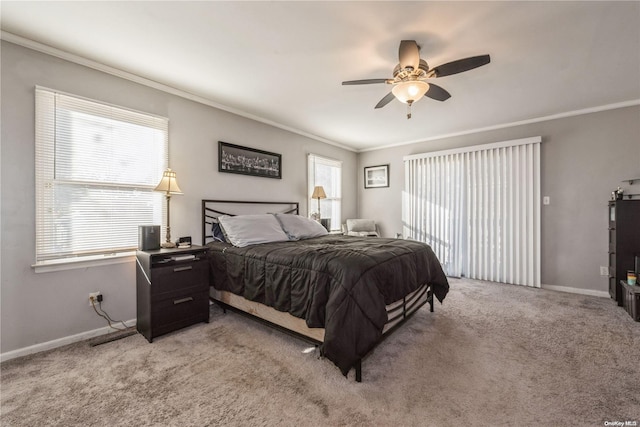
column 479, row 209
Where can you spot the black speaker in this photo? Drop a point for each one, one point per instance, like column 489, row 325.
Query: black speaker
column 148, row 237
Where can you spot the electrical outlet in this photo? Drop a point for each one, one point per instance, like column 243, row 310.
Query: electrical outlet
column 95, row 297
column 604, row 271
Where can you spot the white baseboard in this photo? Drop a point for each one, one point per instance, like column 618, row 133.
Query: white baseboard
column 602, row 294
column 37, row 348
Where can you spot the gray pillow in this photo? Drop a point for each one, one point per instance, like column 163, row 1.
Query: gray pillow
column 245, row 230
column 298, row 227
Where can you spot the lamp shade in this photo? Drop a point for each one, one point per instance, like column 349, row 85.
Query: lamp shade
column 318, row 193
column 168, row 183
column 411, row 91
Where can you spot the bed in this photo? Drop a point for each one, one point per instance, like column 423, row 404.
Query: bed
column 344, row 294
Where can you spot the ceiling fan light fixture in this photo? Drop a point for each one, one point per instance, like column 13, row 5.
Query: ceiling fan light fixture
column 411, row 91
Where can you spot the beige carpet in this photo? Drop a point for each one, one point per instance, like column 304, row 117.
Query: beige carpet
column 492, row 354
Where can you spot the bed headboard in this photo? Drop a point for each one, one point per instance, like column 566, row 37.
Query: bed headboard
column 211, row 209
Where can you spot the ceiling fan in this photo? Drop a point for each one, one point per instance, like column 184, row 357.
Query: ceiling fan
column 410, row 75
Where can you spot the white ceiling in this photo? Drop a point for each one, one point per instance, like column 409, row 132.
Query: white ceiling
column 283, row 62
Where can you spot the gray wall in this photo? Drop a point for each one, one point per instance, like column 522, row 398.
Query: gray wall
column 37, row 308
column 583, row 158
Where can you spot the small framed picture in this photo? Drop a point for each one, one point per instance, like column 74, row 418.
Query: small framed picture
column 376, row 176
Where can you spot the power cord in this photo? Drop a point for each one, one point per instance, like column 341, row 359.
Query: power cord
column 104, row 314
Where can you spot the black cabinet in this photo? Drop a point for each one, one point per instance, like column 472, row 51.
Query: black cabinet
column 172, row 289
column 631, row 299
column 624, row 243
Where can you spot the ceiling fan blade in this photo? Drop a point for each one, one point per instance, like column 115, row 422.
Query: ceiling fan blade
column 384, row 101
column 437, row 93
column 409, row 54
column 364, row 82
column 460, row 65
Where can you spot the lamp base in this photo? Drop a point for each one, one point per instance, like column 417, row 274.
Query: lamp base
column 167, row 245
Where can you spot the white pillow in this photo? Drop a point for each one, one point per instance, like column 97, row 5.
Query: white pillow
column 298, row 227
column 245, row 230
column 361, row 225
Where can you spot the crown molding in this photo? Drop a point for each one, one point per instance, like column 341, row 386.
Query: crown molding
column 573, row 113
column 43, row 48
column 77, row 59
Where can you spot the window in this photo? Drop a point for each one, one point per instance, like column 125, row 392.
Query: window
column 328, row 174
column 96, row 168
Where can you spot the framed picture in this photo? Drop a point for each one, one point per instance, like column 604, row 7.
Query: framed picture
column 248, row 161
column 376, row 176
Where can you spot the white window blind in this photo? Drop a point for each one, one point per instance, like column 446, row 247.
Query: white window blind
column 479, row 209
column 327, row 173
column 96, row 168
column 433, row 207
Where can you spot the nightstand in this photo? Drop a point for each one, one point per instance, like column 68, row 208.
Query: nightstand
column 172, row 289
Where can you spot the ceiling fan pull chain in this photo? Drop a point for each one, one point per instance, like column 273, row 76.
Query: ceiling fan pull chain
column 409, row 110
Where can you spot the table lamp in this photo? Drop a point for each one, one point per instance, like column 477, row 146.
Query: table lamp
column 169, row 186
column 318, row 193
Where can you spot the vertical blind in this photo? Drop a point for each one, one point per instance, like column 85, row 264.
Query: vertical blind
column 479, row 209
column 327, row 173
column 96, row 168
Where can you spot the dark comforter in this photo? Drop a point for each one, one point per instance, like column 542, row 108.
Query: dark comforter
column 338, row 283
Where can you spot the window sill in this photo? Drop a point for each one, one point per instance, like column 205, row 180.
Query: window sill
column 83, row 262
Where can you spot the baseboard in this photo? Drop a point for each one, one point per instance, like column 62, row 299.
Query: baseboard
column 49, row 345
column 601, row 294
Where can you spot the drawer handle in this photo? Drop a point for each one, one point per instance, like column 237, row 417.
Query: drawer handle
column 185, row 268
column 180, row 301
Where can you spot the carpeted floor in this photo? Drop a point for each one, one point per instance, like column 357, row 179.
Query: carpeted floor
column 492, row 354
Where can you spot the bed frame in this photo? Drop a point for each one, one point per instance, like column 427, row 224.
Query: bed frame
column 397, row 313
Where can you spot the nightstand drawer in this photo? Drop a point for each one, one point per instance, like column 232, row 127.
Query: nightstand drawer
column 179, row 276
column 183, row 310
